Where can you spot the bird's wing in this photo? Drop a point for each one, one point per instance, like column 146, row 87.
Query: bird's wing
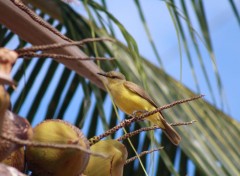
column 139, row 91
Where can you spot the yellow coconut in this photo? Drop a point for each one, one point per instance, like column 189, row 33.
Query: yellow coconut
column 112, row 165
column 58, row 162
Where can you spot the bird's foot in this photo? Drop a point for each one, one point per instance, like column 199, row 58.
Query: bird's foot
column 137, row 113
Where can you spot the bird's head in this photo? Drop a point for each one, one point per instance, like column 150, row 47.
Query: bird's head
column 113, row 75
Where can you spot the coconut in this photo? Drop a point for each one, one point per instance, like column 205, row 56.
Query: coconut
column 53, row 161
column 16, row 127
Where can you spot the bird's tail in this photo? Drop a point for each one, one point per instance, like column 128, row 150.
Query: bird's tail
column 172, row 135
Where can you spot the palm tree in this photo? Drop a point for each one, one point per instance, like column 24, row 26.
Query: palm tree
column 71, row 89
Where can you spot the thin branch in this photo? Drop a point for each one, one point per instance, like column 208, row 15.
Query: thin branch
column 38, row 19
column 122, row 124
column 127, row 122
column 60, row 56
column 142, row 154
column 49, row 145
column 169, row 106
column 60, row 45
column 128, row 135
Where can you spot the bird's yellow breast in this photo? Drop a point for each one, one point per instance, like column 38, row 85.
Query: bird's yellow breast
column 130, row 102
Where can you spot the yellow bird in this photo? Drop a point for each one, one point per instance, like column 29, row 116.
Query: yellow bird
column 131, row 98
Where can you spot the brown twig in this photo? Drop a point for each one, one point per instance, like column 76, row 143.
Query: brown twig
column 48, row 145
column 60, row 56
column 59, row 45
column 38, row 19
column 124, row 123
column 169, row 106
column 128, row 135
column 127, row 122
column 142, row 154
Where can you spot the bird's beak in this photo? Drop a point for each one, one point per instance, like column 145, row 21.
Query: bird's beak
column 102, row 74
